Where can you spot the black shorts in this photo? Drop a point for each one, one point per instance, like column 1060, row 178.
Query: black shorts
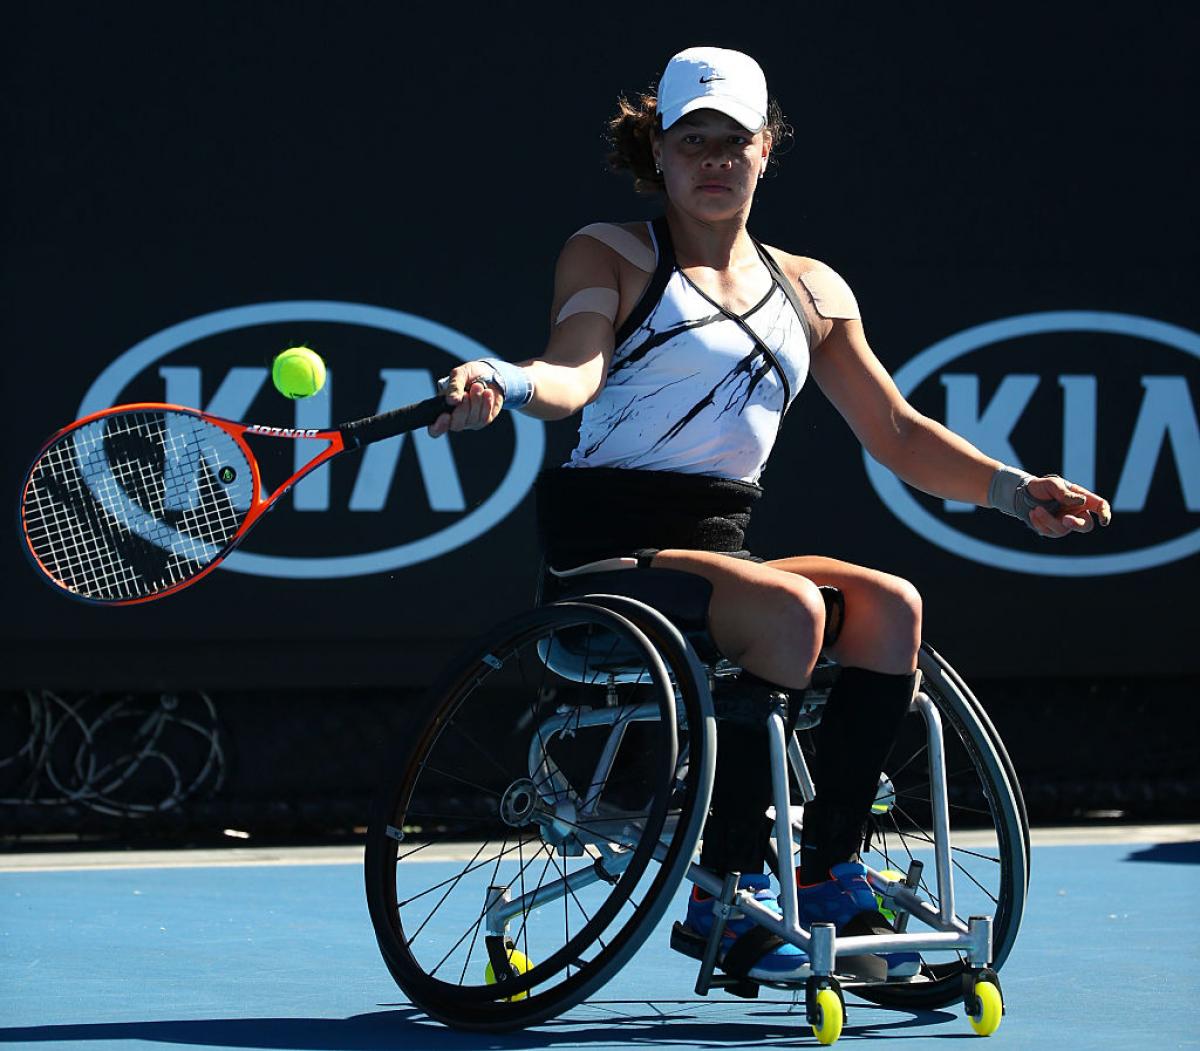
column 589, row 513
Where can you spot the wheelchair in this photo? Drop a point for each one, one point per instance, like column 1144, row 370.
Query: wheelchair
column 550, row 807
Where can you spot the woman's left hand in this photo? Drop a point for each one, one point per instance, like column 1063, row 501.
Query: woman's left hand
column 1072, row 510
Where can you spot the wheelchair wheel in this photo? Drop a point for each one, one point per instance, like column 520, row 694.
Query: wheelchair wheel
column 543, row 817
column 989, row 830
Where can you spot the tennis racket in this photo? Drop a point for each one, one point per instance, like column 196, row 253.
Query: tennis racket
column 138, row 501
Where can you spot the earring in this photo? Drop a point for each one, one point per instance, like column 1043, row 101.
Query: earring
column 657, row 168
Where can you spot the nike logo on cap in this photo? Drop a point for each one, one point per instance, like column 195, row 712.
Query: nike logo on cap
column 709, row 80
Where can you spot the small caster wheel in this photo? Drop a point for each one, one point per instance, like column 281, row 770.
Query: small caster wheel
column 519, row 962
column 987, row 1010
column 830, row 1016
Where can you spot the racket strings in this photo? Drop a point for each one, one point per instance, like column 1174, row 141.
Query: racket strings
column 133, row 504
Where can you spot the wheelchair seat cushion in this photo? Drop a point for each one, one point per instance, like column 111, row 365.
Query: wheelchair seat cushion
column 682, row 598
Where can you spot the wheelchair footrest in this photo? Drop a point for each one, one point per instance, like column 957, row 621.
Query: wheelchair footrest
column 742, row 987
column 687, row 941
column 694, row 945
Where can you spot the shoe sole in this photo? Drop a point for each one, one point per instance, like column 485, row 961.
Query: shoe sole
column 686, row 941
column 872, row 969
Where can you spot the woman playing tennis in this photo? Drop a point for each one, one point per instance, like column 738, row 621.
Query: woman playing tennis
column 683, row 342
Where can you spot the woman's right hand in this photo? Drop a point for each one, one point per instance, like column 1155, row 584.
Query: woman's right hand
column 475, row 402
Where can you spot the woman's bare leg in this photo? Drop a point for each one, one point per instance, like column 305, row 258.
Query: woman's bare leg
column 768, row 620
column 882, row 627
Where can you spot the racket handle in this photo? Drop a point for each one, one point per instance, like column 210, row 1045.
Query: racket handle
column 388, row 424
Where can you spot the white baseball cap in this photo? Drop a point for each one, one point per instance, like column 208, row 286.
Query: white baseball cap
column 714, row 78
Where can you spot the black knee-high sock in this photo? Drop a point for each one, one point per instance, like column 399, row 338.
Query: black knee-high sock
column 735, row 835
column 736, row 832
column 858, row 727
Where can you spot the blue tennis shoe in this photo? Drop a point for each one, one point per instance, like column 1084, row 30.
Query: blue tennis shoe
column 748, row 950
column 848, row 902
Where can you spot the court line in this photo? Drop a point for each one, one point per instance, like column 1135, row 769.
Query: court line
column 236, row 857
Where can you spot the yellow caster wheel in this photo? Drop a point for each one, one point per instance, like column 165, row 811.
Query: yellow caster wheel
column 830, row 1017
column 519, row 962
column 991, row 1009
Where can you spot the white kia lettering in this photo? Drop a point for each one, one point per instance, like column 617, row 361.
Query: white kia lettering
column 240, row 386
column 990, row 429
column 438, row 471
column 1166, row 419
column 1167, row 412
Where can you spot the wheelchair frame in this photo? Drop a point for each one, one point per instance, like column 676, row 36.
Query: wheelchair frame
column 570, row 824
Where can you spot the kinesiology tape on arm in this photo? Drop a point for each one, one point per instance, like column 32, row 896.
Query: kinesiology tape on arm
column 595, row 300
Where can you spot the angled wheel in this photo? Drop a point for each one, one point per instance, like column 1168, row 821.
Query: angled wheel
column 989, row 853
column 986, row 1013
column 543, row 818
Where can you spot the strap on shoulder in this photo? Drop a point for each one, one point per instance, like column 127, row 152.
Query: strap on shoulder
column 663, row 270
column 789, row 289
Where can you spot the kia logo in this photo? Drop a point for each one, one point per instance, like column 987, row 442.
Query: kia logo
column 227, row 389
column 1165, row 430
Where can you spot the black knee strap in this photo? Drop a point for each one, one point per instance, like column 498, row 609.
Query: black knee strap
column 867, row 923
column 835, row 613
column 749, row 948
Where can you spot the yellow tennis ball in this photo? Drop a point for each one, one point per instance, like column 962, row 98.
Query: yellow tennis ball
column 298, row 372
column 519, row 962
column 898, row 877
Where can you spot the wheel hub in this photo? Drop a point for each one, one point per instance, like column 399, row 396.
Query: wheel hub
column 518, row 803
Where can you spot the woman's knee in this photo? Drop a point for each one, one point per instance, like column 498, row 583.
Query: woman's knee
column 897, row 618
column 773, row 627
column 882, row 630
column 790, row 615
column 904, row 606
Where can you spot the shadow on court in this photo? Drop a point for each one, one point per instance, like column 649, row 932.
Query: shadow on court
column 1171, row 853
column 645, row 1023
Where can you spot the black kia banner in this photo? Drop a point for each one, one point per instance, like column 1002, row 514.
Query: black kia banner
column 1009, row 194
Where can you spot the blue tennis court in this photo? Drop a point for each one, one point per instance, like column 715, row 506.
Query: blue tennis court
column 274, row 949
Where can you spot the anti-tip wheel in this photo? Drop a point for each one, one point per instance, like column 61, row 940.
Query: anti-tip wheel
column 831, row 1016
column 990, row 1009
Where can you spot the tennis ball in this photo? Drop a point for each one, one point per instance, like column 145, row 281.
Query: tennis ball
column 891, row 874
column 885, row 796
column 519, row 962
column 298, row 372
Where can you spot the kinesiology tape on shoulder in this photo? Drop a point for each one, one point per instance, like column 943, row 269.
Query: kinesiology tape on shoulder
column 621, row 241
column 596, row 300
column 831, row 295
column 1009, row 492
column 513, row 381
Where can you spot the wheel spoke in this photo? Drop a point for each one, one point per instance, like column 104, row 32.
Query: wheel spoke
column 573, row 896
column 438, row 886
column 909, row 761
column 513, row 749
column 451, row 884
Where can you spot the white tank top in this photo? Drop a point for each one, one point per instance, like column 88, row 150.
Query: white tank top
column 693, row 387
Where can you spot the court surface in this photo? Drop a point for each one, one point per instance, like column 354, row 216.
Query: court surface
column 273, row 949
